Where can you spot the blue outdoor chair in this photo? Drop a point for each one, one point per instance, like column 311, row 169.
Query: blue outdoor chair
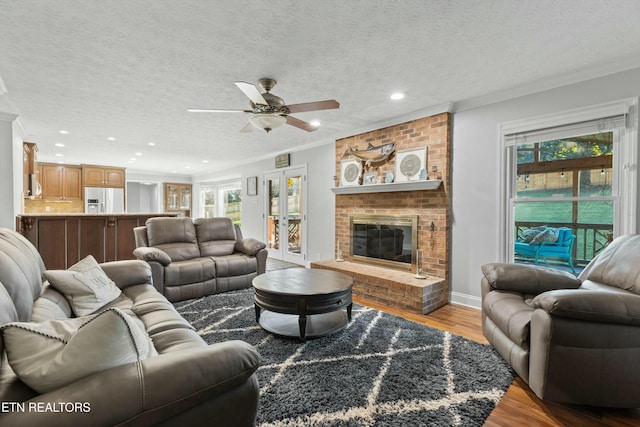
column 562, row 248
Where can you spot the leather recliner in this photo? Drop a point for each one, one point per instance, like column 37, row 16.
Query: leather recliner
column 192, row 259
column 573, row 340
column 187, row 383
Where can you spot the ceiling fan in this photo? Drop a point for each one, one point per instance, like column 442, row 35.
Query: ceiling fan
column 269, row 111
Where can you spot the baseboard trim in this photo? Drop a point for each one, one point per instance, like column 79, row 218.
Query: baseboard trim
column 464, row 299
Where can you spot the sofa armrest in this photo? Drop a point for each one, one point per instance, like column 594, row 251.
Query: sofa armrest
column 527, row 279
column 147, row 392
column 249, row 246
column 127, row 272
column 592, row 306
column 152, row 254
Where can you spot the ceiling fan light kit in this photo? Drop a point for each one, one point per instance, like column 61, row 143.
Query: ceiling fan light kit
column 267, row 121
column 269, row 111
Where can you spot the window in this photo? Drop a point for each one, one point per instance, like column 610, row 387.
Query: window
column 222, row 199
column 567, row 182
column 570, row 170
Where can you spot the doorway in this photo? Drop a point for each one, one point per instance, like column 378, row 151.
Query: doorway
column 285, row 214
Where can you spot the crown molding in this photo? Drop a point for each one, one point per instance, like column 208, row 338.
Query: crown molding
column 547, row 84
column 7, row 117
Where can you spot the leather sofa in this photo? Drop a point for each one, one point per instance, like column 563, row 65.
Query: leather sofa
column 186, row 383
column 573, row 340
column 192, row 259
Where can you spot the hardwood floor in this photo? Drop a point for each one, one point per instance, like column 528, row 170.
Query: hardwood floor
column 519, row 406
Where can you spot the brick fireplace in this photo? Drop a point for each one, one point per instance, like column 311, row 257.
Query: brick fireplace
column 391, row 286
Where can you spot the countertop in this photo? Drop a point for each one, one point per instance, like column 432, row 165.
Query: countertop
column 59, row 214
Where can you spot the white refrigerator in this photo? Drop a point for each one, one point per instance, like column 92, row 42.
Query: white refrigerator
column 103, row 200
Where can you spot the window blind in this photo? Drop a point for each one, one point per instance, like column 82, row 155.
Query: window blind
column 604, row 124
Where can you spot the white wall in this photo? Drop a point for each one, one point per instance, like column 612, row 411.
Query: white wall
column 476, row 169
column 320, row 163
column 151, row 197
column 10, row 171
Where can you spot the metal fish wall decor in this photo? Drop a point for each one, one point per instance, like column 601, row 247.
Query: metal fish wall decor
column 372, row 154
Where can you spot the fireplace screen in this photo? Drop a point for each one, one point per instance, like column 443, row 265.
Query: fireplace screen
column 385, row 239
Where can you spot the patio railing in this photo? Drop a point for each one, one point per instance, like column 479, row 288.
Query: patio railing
column 591, row 239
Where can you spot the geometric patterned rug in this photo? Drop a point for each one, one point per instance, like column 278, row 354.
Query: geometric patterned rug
column 380, row 370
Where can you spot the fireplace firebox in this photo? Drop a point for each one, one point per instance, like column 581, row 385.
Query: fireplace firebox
column 385, row 240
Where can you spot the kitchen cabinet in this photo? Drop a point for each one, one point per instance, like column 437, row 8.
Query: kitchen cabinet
column 177, row 198
column 103, row 176
column 60, row 182
column 64, row 239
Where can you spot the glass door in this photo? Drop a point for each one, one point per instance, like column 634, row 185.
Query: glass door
column 285, row 216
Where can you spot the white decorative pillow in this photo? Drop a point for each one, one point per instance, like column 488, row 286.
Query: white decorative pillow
column 85, row 285
column 49, row 355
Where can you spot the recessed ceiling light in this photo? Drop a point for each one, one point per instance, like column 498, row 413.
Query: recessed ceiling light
column 205, row 161
column 187, row 167
column 315, row 123
column 61, row 162
column 138, row 154
column 397, row 96
column 174, row 171
column 64, row 132
column 110, row 138
column 59, row 155
column 59, row 144
column 152, row 144
column 133, row 159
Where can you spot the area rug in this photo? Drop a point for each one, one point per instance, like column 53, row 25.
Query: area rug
column 380, row 370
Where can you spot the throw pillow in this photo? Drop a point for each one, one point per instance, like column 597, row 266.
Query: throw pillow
column 550, row 235
column 85, row 285
column 528, row 235
column 51, row 354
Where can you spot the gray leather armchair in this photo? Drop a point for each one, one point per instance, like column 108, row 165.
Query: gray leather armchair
column 573, row 340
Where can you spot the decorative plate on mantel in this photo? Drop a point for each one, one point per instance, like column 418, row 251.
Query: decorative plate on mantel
column 350, row 171
column 409, row 163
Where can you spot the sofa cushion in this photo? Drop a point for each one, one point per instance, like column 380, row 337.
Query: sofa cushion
column 85, row 285
column 191, row 271
column 235, row 265
column 529, row 279
column 49, row 355
column 617, row 265
column 175, row 236
column 216, row 236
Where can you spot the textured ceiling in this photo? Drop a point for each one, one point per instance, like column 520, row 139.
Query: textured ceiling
column 130, row 69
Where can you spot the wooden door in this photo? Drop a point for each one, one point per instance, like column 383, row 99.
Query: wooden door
column 72, row 183
column 52, row 176
column 114, row 177
column 92, row 176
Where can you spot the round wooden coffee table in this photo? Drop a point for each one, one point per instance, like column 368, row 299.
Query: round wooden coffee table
column 303, row 302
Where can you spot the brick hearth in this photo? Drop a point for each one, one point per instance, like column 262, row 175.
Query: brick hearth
column 393, row 288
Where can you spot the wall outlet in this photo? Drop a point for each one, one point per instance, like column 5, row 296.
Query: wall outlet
column 47, row 208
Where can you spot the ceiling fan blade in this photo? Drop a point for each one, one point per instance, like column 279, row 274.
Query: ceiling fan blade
column 204, row 110
column 247, row 128
column 301, row 124
column 252, row 92
column 329, row 104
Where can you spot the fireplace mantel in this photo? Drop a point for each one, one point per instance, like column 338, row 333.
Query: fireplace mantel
column 430, row 184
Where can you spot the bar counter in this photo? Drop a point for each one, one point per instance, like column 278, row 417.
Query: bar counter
column 64, row 239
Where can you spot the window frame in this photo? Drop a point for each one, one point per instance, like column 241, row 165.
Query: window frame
column 218, row 187
column 624, row 164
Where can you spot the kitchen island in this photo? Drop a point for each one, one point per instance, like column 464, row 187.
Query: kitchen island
column 64, row 239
